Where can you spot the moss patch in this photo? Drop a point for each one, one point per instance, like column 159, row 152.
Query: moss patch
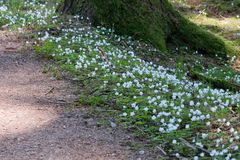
column 153, row 21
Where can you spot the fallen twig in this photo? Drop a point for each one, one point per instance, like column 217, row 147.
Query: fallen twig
column 104, row 56
column 50, row 91
column 163, row 152
column 194, row 147
column 186, row 143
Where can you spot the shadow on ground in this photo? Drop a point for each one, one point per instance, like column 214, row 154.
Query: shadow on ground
column 38, row 124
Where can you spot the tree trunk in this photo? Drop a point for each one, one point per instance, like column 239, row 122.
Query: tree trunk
column 155, row 21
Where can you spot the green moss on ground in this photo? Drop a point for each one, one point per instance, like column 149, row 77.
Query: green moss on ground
column 153, row 21
column 214, row 82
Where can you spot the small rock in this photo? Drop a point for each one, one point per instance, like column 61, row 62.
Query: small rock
column 53, row 78
column 90, row 122
column 113, row 125
column 141, row 152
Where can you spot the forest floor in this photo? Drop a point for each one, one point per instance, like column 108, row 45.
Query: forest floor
column 72, row 91
column 220, row 17
column 36, row 120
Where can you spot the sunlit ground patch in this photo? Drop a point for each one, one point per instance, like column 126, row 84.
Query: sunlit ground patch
column 19, row 119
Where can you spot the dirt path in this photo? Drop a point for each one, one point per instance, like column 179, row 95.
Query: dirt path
column 36, row 125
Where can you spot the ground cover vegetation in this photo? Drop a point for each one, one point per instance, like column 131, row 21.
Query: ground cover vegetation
column 164, row 106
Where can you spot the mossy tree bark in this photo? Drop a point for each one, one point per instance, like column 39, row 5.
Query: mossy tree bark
column 155, row 21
